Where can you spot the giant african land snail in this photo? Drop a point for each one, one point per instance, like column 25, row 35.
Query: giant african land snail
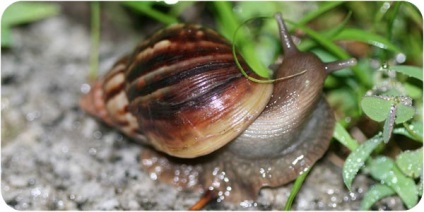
column 181, row 92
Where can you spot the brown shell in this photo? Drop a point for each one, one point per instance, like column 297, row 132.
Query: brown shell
column 183, row 91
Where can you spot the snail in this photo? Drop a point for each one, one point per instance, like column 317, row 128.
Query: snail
column 211, row 128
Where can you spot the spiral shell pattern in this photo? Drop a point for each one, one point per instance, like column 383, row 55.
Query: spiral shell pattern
column 182, row 90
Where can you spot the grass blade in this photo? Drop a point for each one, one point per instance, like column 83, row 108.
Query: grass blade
column 146, row 9
column 337, row 51
column 367, row 37
column 324, row 7
column 296, row 187
column 412, row 71
column 344, row 137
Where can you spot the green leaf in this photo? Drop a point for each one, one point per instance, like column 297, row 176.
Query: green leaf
column 25, row 12
column 21, row 13
column 375, row 107
column 366, row 37
column 411, row 162
column 404, row 113
column 379, row 108
column 413, row 91
column 386, row 171
column 344, row 138
column 357, row 158
column 413, row 131
column 374, row 194
column 6, row 36
column 412, row 71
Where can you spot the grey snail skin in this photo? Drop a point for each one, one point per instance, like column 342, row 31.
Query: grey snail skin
column 208, row 127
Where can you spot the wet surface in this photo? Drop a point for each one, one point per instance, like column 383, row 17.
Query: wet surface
column 55, row 157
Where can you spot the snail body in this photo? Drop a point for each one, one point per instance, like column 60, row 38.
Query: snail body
column 181, row 92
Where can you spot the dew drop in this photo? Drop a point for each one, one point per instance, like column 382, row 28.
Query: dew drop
column 85, row 88
column 36, row 192
column 400, row 58
column 92, row 151
column 394, row 180
column 31, row 116
column 153, row 176
column 97, row 134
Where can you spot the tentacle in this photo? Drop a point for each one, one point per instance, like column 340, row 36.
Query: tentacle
column 338, row 65
column 286, row 41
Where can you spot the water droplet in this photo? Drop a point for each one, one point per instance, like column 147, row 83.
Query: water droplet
column 385, row 7
column 394, row 180
column 348, row 119
column 85, row 88
column 31, row 116
column 60, row 204
column 92, row 151
column 297, row 159
column 400, row 58
column 36, row 192
column 385, row 66
column 307, row 82
column 248, row 204
column 153, row 176
column 97, row 134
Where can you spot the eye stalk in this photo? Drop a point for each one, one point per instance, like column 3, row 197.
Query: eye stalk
column 330, row 67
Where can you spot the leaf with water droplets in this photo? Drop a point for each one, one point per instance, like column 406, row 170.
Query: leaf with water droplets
column 357, row 158
column 376, row 107
column 411, row 162
column 385, row 170
column 404, row 113
column 398, row 108
column 374, row 194
column 413, row 131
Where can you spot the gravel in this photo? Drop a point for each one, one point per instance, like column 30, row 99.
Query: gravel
column 55, row 157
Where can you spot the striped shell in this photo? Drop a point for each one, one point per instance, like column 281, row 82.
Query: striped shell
column 180, row 91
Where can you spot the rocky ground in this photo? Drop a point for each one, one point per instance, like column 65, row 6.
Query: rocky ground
column 56, row 157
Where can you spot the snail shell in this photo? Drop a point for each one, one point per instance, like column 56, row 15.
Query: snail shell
column 181, row 92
